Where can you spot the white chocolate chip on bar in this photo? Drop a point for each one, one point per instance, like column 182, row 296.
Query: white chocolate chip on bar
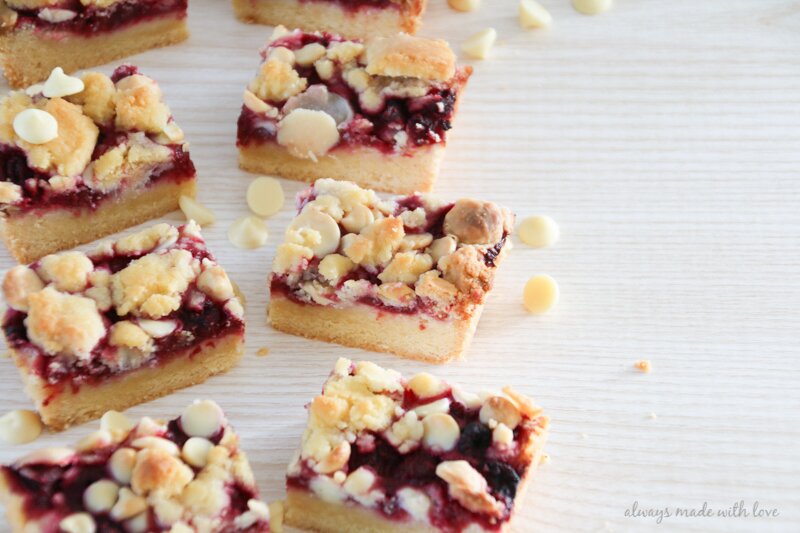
column 532, row 14
column 425, row 385
column 158, row 328
column 334, row 267
column 265, row 196
column 539, row 231
column 329, row 232
column 591, row 7
column 281, row 53
column 116, row 424
column 121, row 464
column 307, row 55
column 128, row 505
column 36, row 126
column 478, row 45
column 464, row 5
column 541, row 294
column 59, row 84
column 359, row 217
column 55, row 16
column 78, row 523
column 441, row 432
column 194, row 210
column 359, row 482
column 202, row 419
column 195, row 451
column 20, row 427
column 248, row 232
column 501, row 410
column 307, row 133
column 100, row 496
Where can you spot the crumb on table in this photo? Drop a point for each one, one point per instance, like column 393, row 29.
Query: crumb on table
column 262, row 352
column 643, row 365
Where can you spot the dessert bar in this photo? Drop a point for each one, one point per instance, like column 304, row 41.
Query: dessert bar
column 382, row 454
column 81, row 158
column 39, row 35
column 408, row 276
column 375, row 113
column 182, row 476
column 353, row 18
column 129, row 322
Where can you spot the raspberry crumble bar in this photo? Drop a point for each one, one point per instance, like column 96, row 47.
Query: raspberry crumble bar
column 353, row 18
column 408, row 276
column 81, row 158
column 132, row 321
column 39, row 35
column 182, row 476
column 375, row 113
column 382, row 454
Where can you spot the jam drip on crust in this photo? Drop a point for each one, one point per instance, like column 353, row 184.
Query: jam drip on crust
column 144, row 478
column 390, row 107
column 426, row 452
column 190, row 303
column 74, row 17
column 114, row 135
column 411, row 255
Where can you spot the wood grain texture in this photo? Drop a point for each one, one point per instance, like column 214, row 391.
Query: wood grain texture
column 664, row 137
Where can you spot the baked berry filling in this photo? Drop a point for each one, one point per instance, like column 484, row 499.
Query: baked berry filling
column 391, row 114
column 74, row 17
column 355, row 5
column 57, row 484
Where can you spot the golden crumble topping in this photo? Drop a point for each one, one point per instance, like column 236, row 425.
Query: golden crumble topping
column 410, row 57
column 64, row 324
column 277, row 81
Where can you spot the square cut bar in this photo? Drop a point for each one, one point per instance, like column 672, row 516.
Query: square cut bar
column 408, row 276
column 38, row 35
column 375, row 113
column 118, row 160
column 382, row 454
column 132, row 321
column 352, row 18
column 182, row 476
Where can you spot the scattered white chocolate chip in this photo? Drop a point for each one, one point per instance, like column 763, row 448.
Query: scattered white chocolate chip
column 78, row 523
column 502, row 411
column 194, row 210
column 158, row 328
column 464, row 5
column 20, row 427
column 307, row 133
column 532, row 14
column 478, row 45
column 248, row 232
column 265, row 196
column 202, row 419
column 312, row 218
column 59, row 84
column 539, row 231
column 441, row 432
column 36, row 126
column 116, row 423
column 100, row 496
column 541, row 294
column 591, row 7
column 195, row 451
column 425, row 385
column 121, row 464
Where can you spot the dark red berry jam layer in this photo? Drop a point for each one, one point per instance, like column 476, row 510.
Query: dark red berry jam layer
column 395, row 471
column 52, row 492
column 199, row 320
column 425, row 120
column 91, row 20
column 355, row 5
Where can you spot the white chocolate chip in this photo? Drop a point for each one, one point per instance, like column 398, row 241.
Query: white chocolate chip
column 532, row 14
column 478, row 45
column 502, row 435
column 249, row 232
column 78, row 523
column 202, row 419
column 20, row 427
column 441, row 432
column 464, row 5
column 157, row 443
column 95, row 440
column 59, row 84
column 128, row 505
column 539, row 231
column 425, row 385
column 281, row 53
column 591, row 7
column 138, row 524
column 121, row 465
column 117, row 424
column 194, row 210
column 324, row 224
column 100, row 496
column 158, row 328
column 414, row 502
column 55, row 15
column 36, row 126
column 195, row 451
column 307, row 133
column 502, row 411
column 439, row 406
column 308, row 54
column 359, row 482
column 359, row 217
column 541, row 294
column 334, row 267
column 265, row 196
column 467, row 399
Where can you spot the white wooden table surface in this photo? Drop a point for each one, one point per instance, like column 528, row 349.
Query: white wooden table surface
column 664, row 137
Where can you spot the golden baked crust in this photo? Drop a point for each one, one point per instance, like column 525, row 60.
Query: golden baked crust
column 408, row 56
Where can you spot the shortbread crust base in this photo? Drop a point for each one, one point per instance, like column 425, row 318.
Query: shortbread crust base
column 364, row 166
column 331, row 17
column 29, row 58
column 415, row 336
column 31, row 235
column 192, row 366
